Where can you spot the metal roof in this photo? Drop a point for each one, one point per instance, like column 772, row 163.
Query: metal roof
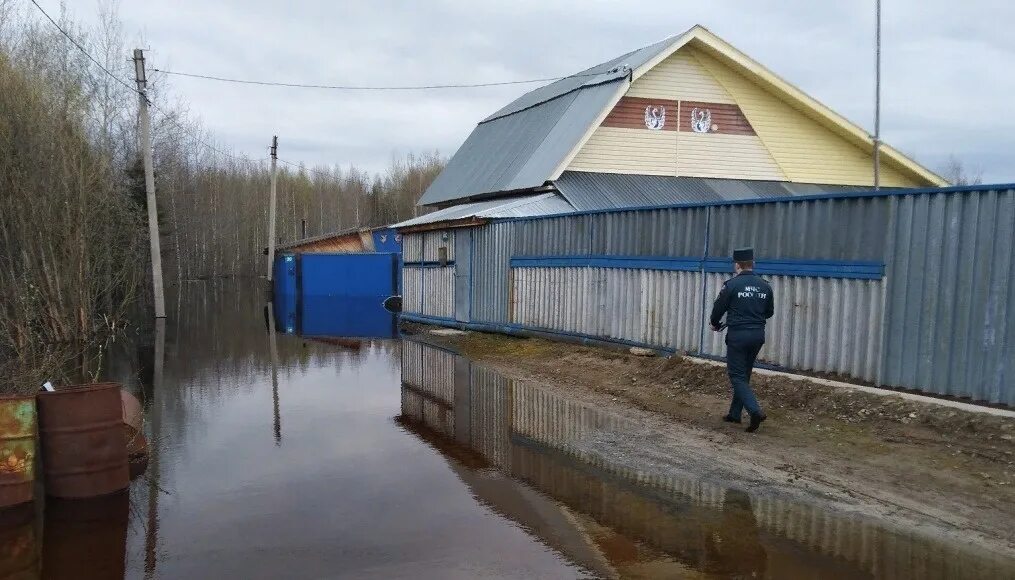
column 527, row 206
column 610, row 70
column 594, row 191
column 524, row 144
column 296, row 243
column 520, row 150
column 521, row 145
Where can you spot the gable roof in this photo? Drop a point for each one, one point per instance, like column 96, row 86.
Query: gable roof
column 519, row 150
column 532, row 140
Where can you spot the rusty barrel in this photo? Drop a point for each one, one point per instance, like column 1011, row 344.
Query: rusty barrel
column 83, row 449
column 17, row 449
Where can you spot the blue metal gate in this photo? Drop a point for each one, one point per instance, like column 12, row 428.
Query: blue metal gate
column 349, row 275
column 336, row 295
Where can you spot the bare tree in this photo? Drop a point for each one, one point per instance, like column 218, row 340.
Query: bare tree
column 956, row 173
column 73, row 246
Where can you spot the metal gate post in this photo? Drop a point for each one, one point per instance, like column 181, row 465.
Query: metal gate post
column 704, row 280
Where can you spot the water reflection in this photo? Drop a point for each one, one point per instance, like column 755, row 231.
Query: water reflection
column 273, row 350
column 479, row 476
column 85, row 538
column 19, row 550
column 82, row 539
column 642, row 523
column 278, row 459
column 345, row 317
column 154, row 416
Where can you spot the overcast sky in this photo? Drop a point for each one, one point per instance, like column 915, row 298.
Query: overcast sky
column 949, row 68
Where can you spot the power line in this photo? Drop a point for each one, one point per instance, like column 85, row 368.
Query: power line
column 305, row 168
column 132, row 89
column 82, row 49
column 194, row 135
column 362, row 87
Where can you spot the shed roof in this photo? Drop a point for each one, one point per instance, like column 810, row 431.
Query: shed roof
column 293, row 244
column 594, row 191
column 530, row 141
column 525, row 206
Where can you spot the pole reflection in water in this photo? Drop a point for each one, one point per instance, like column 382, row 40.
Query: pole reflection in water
column 646, row 523
column 151, row 546
column 341, row 498
column 273, row 353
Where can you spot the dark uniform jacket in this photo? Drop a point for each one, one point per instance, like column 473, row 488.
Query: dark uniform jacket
column 746, row 300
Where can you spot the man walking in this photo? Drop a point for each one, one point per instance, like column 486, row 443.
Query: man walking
column 747, row 302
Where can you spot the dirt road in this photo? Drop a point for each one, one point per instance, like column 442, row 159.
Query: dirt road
column 948, row 472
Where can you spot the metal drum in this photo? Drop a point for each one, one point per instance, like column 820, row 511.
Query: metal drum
column 17, row 449
column 83, row 449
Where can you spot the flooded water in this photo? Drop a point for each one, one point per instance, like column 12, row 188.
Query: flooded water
column 338, row 455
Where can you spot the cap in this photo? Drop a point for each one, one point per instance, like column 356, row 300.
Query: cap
column 743, row 254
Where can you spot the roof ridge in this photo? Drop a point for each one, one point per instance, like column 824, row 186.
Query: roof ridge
column 618, row 67
column 626, row 70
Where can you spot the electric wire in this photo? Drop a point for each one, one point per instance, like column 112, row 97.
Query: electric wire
column 82, row 49
column 134, row 89
column 207, row 145
column 367, row 87
column 194, row 135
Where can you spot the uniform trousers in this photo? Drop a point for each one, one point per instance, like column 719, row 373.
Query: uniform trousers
column 742, row 347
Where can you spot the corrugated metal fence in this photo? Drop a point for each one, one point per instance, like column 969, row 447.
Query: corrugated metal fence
column 904, row 289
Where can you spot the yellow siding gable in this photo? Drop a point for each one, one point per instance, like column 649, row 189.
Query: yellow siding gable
column 725, row 156
column 621, row 150
column 807, row 151
column 680, row 78
column 637, row 149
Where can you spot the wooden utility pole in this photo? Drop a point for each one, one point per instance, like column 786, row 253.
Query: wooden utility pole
column 149, row 182
column 271, row 208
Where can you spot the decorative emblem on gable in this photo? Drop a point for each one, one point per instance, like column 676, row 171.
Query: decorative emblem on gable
column 655, row 117
column 701, row 120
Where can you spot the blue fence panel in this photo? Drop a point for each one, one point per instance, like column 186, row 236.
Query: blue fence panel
column 387, row 241
column 284, row 274
column 348, row 275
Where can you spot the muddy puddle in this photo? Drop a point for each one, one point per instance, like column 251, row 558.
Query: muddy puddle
column 346, row 452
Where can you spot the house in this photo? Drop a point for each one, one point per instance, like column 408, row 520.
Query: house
column 604, row 207
column 690, row 118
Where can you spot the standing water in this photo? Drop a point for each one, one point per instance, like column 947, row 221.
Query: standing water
column 326, row 455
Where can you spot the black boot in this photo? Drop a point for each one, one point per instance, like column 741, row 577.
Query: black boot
column 729, row 419
column 755, row 422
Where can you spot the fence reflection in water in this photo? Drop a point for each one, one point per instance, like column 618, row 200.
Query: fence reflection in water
column 537, row 436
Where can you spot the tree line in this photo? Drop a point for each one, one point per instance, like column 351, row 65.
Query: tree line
column 74, row 262
column 214, row 211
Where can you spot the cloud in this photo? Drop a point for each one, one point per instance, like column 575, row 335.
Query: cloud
column 946, row 82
